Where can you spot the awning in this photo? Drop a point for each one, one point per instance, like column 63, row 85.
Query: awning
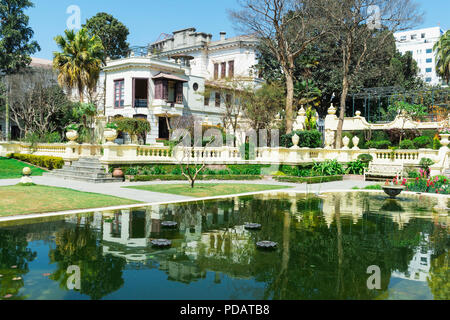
column 168, row 76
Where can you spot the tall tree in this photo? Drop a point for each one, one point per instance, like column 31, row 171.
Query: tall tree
column 442, row 48
column 360, row 28
column 286, row 28
column 112, row 32
column 15, row 42
column 79, row 61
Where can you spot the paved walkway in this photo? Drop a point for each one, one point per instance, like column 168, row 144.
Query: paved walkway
column 115, row 189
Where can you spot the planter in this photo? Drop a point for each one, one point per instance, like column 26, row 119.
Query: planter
column 72, row 136
column 393, row 191
column 118, row 173
column 445, row 139
column 110, row 136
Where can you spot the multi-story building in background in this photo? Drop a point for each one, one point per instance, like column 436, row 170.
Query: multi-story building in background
column 420, row 43
column 168, row 78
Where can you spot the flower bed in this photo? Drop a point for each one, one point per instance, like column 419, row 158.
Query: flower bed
column 437, row 184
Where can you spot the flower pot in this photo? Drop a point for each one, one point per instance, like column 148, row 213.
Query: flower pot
column 445, row 139
column 72, row 135
column 118, row 173
column 110, row 135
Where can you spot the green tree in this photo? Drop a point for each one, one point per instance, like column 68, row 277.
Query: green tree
column 15, row 42
column 442, row 48
column 79, row 61
column 112, row 32
column 15, row 36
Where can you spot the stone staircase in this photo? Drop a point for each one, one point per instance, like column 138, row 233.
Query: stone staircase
column 85, row 169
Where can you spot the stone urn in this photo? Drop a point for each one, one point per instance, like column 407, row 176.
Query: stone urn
column 355, row 141
column 295, row 141
column 445, row 139
column 118, row 173
column 110, row 135
column 345, row 142
column 72, row 136
column 393, row 191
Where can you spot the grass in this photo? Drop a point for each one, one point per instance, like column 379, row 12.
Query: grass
column 17, row 200
column 371, row 187
column 207, row 190
column 12, row 169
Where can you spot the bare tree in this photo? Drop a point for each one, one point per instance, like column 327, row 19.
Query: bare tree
column 359, row 28
column 188, row 146
column 287, row 28
column 35, row 98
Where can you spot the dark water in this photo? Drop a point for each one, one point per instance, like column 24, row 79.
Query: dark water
column 325, row 246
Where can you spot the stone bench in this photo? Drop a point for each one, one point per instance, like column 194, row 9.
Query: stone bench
column 384, row 171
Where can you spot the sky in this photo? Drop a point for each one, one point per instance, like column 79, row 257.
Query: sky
column 148, row 19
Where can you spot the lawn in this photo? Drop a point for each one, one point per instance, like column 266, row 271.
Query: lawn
column 207, row 190
column 16, row 200
column 12, row 169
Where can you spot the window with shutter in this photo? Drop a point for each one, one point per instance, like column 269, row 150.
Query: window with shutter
column 224, row 70
column 179, row 93
column 231, row 69
column 216, row 71
column 206, row 100
column 119, row 90
column 165, row 90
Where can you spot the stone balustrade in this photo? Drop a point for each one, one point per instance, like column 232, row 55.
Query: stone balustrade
column 133, row 154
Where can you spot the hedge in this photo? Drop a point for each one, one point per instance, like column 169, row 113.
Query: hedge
column 199, row 178
column 40, row 161
column 308, row 139
column 309, row 180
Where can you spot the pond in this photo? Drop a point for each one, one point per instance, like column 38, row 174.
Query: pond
column 325, row 247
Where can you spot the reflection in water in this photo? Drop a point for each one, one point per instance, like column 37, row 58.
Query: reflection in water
column 325, row 247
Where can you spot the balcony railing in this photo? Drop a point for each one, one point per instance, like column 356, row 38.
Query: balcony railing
column 140, row 103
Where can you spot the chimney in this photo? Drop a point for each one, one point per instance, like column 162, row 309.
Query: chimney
column 222, row 35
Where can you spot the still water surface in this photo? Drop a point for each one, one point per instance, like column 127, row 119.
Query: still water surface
column 325, row 246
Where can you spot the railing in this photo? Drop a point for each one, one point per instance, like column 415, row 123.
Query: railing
column 132, row 154
column 140, row 103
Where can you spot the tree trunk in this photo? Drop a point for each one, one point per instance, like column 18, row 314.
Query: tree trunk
column 7, row 132
column 289, row 101
column 342, row 111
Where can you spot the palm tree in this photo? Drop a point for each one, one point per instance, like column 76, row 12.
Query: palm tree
column 442, row 48
column 80, row 61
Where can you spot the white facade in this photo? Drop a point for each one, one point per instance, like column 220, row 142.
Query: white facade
column 421, row 42
column 188, row 56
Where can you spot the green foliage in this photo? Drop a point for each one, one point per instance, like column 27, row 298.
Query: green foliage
column 310, row 180
column 436, row 143
column 438, row 184
column 40, row 161
column 409, row 110
column 73, row 126
column 308, row 139
column 328, row 168
column 426, row 163
column 111, row 125
column 407, row 144
column 200, row 177
column 365, row 158
column 296, row 171
column 423, row 142
column 413, row 174
column 310, row 119
column 382, row 144
column 112, row 33
column 15, row 36
column 138, row 127
column 356, row 167
column 49, row 137
column 442, row 48
column 373, row 187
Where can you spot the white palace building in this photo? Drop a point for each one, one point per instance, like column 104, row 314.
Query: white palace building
column 168, row 78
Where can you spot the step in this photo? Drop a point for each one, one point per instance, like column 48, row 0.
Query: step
column 85, row 168
column 85, row 179
column 83, row 174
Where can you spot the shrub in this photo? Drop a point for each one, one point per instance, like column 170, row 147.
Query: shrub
column 374, row 187
column 407, row 145
column 425, row 164
column 356, row 167
column 423, row 142
column 308, row 139
column 328, row 168
column 366, row 158
column 436, row 143
column 205, row 177
column 40, row 161
column 382, row 144
column 309, row 180
column 438, row 184
column 413, row 174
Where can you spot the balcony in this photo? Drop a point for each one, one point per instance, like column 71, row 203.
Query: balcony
column 162, row 108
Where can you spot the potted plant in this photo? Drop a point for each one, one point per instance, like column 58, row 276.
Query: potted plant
column 445, row 136
column 110, row 132
column 394, row 188
column 72, row 132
